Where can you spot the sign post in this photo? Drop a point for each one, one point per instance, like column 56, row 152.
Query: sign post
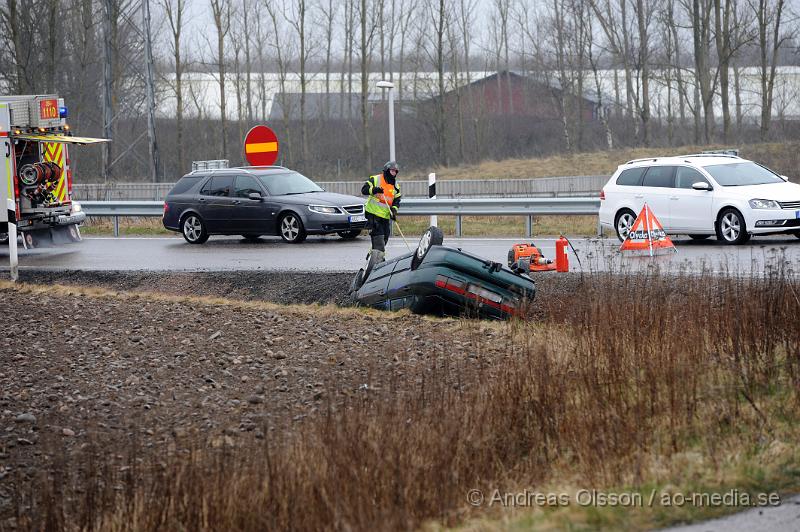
column 261, row 146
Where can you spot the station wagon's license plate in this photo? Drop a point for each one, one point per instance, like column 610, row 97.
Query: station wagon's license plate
column 358, row 218
column 797, row 214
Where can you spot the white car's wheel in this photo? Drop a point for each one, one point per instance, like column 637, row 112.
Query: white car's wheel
column 623, row 223
column 731, row 228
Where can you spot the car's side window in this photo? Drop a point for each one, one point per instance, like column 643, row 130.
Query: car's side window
column 631, row 177
column 245, row 185
column 685, row 177
column 219, row 185
column 659, row 176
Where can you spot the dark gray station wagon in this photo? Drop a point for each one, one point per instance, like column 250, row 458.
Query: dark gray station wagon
column 259, row 200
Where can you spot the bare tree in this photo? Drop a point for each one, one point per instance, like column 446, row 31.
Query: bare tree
column 771, row 37
column 175, row 11
column 367, row 33
column 299, row 13
column 221, row 11
column 282, row 49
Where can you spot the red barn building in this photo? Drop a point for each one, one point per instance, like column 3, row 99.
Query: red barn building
column 512, row 94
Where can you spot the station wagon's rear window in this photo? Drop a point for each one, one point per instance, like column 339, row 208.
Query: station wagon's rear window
column 184, row 184
column 631, row 177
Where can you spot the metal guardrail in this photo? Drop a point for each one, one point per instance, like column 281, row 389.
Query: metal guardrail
column 457, row 207
column 456, row 188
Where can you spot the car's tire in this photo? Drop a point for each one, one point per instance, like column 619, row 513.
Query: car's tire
column 797, row 234
column 699, row 237
column 357, row 281
column 3, row 238
column 731, row 228
column 291, row 229
column 432, row 236
column 349, row 235
column 623, row 223
column 194, row 229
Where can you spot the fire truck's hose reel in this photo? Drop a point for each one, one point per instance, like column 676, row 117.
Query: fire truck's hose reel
column 44, row 174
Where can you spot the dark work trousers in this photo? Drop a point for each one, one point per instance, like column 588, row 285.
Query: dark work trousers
column 379, row 230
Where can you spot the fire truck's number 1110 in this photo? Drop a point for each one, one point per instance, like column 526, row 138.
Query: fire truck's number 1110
column 48, row 109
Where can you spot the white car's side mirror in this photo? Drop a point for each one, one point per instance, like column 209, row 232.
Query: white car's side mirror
column 702, row 185
column 785, row 178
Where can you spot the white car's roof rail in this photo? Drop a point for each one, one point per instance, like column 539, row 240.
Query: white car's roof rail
column 654, row 159
column 711, row 154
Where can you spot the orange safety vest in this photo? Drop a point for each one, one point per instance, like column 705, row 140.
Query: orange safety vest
column 379, row 204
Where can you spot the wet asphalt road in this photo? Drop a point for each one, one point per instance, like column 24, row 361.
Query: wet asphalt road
column 332, row 254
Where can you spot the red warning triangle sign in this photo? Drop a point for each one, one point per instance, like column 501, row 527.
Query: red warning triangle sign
column 647, row 233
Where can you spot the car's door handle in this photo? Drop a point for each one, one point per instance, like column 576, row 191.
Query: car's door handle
column 236, row 202
column 202, row 200
column 639, row 196
column 673, row 197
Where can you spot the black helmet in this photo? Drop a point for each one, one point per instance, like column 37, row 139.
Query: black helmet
column 391, row 165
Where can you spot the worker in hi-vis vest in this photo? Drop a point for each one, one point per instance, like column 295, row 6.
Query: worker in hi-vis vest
column 382, row 205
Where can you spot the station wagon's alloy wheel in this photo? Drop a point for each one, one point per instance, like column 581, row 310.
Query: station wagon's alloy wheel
column 292, row 229
column 194, row 230
column 624, row 223
column 731, row 228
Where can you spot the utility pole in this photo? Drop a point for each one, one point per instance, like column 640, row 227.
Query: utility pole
column 151, row 99
column 108, row 87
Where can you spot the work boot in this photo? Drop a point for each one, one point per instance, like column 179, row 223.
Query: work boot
column 380, row 256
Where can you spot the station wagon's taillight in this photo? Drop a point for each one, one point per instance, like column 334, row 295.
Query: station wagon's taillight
column 166, row 208
column 602, row 194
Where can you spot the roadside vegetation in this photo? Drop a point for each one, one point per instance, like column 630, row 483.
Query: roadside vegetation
column 783, row 157
column 631, row 383
column 412, row 226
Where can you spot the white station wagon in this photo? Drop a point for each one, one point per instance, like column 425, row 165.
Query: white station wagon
column 702, row 195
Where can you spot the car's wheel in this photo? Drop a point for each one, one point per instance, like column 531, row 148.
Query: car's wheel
column 731, row 227
column 623, row 223
column 432, row 236
column 3, row 238
column 699, row 237
column 797, row 234
column 291, row 228
column 194, row 229
column 349, row 235
column 357, row 281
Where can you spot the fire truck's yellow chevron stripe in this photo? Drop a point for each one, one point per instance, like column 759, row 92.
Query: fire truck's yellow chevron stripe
column 54, row 152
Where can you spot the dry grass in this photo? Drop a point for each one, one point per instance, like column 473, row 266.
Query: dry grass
column 635, row 382
column 783, row 157
column 503, row 226
column 128, row 226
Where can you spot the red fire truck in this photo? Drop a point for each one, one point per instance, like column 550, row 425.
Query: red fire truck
column 35, row 176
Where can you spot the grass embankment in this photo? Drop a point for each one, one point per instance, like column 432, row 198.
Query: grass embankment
column 634, row 384
column 412, row 226
column 783, row 157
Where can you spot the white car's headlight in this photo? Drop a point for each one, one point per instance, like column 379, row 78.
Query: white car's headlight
column 764, row 204
column 76, row 207
column 324, row 209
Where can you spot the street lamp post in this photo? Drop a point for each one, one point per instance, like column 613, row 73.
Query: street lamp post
column 389, row 85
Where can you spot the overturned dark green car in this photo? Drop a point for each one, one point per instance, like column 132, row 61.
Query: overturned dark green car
column 444, row 281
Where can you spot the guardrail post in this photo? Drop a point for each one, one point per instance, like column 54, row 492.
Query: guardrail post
column 529, row 226
column 432, row 195
column 458, row 226
column 599, row 227
column 116, row 225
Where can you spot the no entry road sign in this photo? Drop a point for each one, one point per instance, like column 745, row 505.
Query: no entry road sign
column 261, row 146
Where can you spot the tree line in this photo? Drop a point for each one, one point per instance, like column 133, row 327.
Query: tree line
column 116, row 62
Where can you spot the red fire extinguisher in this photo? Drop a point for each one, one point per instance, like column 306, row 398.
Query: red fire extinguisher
column 562, row 259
